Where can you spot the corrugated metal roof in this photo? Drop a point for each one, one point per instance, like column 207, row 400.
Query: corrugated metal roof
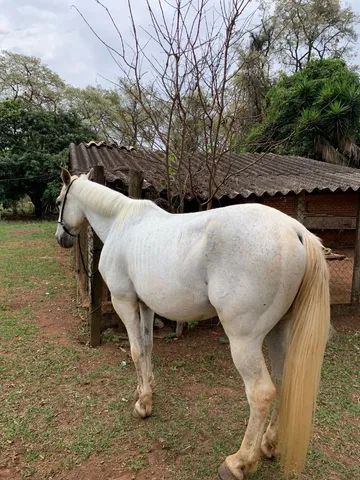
column 245, row 173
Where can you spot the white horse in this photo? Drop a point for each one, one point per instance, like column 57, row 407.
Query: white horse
column 259, row 270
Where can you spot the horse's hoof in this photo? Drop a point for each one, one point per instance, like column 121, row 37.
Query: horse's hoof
column 137, row 413
column 143, row 408
column 268, row 449
column 224, row 473
column 268, row 452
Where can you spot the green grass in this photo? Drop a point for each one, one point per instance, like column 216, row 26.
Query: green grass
column 64, row 404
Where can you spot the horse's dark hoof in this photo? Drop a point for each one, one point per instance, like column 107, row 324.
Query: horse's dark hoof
column 224, row 473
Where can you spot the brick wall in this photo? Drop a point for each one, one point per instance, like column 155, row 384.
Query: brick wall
column 342, row 205
column 286, row 204
column 338, row 204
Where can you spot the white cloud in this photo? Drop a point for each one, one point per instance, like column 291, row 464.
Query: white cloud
column 54, row 31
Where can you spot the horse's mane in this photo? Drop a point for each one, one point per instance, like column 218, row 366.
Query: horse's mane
column 111, row 203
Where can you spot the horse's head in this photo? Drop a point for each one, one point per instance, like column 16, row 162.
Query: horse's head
column 71, row 215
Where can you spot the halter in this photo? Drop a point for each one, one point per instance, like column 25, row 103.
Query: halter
column 61, row 222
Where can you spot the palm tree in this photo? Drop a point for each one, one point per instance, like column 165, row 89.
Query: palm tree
column 314, row 113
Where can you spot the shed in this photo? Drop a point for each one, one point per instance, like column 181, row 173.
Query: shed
column 323, row 196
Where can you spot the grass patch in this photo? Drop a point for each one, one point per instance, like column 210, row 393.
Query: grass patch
column 64, row 404
column 16, row 326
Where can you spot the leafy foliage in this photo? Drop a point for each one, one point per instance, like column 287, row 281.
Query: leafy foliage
column 114, row 115
column 314, row 112
column 311, row 30
column 33, row 145
column 98, row 109
column 289, row 35
column 26, row 78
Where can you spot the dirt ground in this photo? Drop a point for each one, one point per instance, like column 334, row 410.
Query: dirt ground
column 194, row 344
column 200, row 410
column 66, row 332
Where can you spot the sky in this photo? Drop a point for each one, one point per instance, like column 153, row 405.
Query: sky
column 54, row 31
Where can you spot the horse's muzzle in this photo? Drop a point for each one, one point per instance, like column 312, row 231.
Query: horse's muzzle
column 65, row 240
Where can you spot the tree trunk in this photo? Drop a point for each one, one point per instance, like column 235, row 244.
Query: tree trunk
column 38, row 205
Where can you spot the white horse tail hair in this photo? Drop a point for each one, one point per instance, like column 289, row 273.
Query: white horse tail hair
column 308, row 334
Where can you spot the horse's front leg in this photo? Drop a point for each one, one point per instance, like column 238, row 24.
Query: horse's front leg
column 147, row 329
column 128, row 311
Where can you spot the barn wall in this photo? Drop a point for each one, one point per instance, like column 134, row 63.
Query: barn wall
column 338, row 204
column 337, row 239
column 331, row 216
column 287, row 204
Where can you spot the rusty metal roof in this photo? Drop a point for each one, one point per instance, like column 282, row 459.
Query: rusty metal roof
column 245, row 173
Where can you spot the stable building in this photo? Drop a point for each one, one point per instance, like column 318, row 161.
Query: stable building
column 322, row 196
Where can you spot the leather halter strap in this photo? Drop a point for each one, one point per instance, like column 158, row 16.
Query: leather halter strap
column 61, row 221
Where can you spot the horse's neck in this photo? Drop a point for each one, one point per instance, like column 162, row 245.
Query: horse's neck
column 101, row 206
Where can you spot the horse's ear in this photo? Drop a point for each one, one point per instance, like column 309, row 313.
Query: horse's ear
column 65, row 176
column 90, row 174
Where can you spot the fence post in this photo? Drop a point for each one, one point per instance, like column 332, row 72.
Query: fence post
column 301, row 207
column 82, row 279
column 355, row 288
column 136, row 179
column 97, row 281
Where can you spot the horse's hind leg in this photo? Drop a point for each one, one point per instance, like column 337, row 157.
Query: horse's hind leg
column 260, row 391
column 276, row 341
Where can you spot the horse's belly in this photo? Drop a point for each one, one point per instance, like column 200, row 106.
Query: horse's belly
column 196, row 313
column 182, row 305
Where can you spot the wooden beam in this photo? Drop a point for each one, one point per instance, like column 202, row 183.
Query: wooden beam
column 136, row 179
column 97, row 281
column 301, row 207
column 355, row 288
column 80, row 256
column 329, row 223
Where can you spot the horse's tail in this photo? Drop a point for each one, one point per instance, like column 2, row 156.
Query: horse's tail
column 309, row 329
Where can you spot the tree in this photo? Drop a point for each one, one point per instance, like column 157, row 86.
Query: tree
column 99, row 109
column 308, row 30
column 290, row 34
column 26, row 78
column 185, row 89
column 314, row 112
column 254, row 77
column 33, row 145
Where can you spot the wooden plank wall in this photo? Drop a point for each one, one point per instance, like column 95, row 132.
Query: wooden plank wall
column 331, row 215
